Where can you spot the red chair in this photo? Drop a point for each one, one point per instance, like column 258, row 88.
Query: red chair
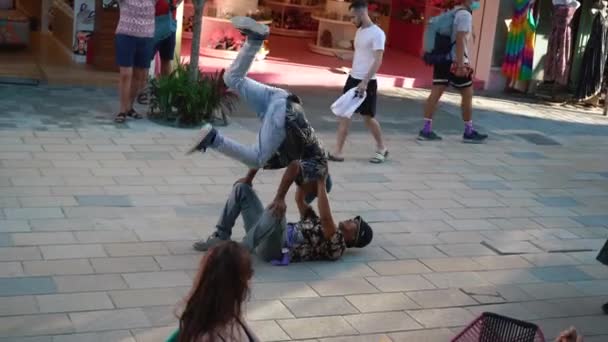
column 490, row 327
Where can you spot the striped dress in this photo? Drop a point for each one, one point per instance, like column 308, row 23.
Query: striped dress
column 136, row 18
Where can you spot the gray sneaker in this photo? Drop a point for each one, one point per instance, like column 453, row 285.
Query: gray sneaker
column 251, row 28
column 205, row 245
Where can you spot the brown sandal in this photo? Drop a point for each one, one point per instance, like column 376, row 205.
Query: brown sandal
column 120, row 118
column 133, row 114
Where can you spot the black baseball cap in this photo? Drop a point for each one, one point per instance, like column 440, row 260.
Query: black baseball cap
column 364, row 235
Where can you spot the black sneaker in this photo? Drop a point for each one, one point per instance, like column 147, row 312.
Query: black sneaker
column 428, row 136
column 251, row 28
column 203, row 140
column 205, row 245
column 605, row 308
column 474, row 137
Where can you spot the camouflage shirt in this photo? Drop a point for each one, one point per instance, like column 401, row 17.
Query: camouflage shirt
column 313, row 245
column 301, row 143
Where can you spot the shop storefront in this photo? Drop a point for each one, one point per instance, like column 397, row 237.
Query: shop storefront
column 563, row 57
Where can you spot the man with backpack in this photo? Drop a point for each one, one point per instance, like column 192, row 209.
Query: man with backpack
column 446, row 48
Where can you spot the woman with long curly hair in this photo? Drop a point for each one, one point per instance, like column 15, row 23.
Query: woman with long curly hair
column 213, row 310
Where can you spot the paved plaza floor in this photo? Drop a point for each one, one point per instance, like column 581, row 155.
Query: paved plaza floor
column 97, row 222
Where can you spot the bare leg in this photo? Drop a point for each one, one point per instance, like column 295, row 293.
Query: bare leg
column 341, row 135
column 374, row 127
column 138, row 84
column 124, row 89
column 165, row 67
column 467, row 103
column 431, row 103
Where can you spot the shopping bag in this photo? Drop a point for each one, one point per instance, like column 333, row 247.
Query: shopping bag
column 348, row 103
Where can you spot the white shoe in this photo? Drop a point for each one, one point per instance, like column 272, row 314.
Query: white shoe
column 251, row 28
column 200, row 143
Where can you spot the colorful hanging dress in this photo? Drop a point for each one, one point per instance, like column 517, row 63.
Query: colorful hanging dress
column 519, row 52
column 557, row 61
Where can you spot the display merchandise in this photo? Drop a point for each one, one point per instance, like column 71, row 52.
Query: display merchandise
column 593, row 70
column 336, row 31
column 519, row 50
column 559, row 52
column 294, row 17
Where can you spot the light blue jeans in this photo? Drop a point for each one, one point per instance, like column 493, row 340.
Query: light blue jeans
column 268, row 102
column 264, row 231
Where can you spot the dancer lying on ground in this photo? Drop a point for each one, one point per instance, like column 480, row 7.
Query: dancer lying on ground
column 314, row 237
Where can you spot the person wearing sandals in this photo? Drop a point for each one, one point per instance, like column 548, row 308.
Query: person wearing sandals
column 213, row 310
column 134, row 43
column 285, row 135
column 369, row 50
column 313, row 237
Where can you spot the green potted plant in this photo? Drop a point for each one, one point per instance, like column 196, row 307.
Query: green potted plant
column 182, row 101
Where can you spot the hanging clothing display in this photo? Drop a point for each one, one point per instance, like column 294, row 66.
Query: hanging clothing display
column 582, row 37
column 594, row 60
column 559, row 51
column 519, row 51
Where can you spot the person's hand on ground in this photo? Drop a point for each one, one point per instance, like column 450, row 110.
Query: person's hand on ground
column 278, row 207
column 569, row 335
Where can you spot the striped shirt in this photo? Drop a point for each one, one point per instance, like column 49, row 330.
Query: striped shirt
column 136, row 18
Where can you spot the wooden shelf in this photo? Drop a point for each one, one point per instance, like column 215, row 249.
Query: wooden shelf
column 287, row 4
column 341, row 53
column 333, row 21
column 293, row 33
column 223, row 20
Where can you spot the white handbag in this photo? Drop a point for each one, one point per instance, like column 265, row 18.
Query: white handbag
column 347, row 104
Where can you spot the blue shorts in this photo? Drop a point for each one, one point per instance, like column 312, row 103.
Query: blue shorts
column 165, row 48
column 133, row 51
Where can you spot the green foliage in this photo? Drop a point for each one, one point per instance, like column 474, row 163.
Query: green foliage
column 185, row 102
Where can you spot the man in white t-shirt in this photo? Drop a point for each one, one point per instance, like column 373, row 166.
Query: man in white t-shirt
column 456, row 73
column 369, row 50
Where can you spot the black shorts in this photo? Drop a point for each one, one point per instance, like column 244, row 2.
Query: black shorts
column 442, row 75
column 368, row 107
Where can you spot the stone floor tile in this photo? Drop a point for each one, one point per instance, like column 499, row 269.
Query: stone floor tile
column 295, row 272
column 452, row 264
column 109, row 320
column 268, row 331
column 85, row 283
column 366, row 254
column 104, row 201
column 26, row 286
column 136, row 249
column 36, row 239
column 593, row 220
column 74, row 302
column 48, row 201
column 559, row 274
column 14, row 226
column 110, row 236
column 447, row 280
column 260, row 310
column 106, row 336
column 57, row 267
column 265, row 291
column 124, row 264
column 19, row 253
column 148, row 280
column 465, row 250
column 398, row 267
column 415, row 252
column 9, row 202
column 501, row 262
column 358, row 338
column 598, row 271
column 441, row 298
column 401, row 283
column 382, row 302
column 337, row 287
column 370, row 323
column 72, row 251
column 471, row 225
column 592, row 287
column 407, row 239
column 333, row 270
column 33, row 213
column 327, row 306
column 11, row 269
column 302, row 328
column 551, row 259
column 516, row 310
column 148, row 297
column 508, row 277
column 558, row 202
column 432, row 335
column 442, row 318
column 18, row 305
column 179, row 262
column 33, row 325
column 461, row 237
column 550, row 291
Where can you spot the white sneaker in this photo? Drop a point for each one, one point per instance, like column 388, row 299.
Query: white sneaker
column 251, row 28
column 200, row 143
